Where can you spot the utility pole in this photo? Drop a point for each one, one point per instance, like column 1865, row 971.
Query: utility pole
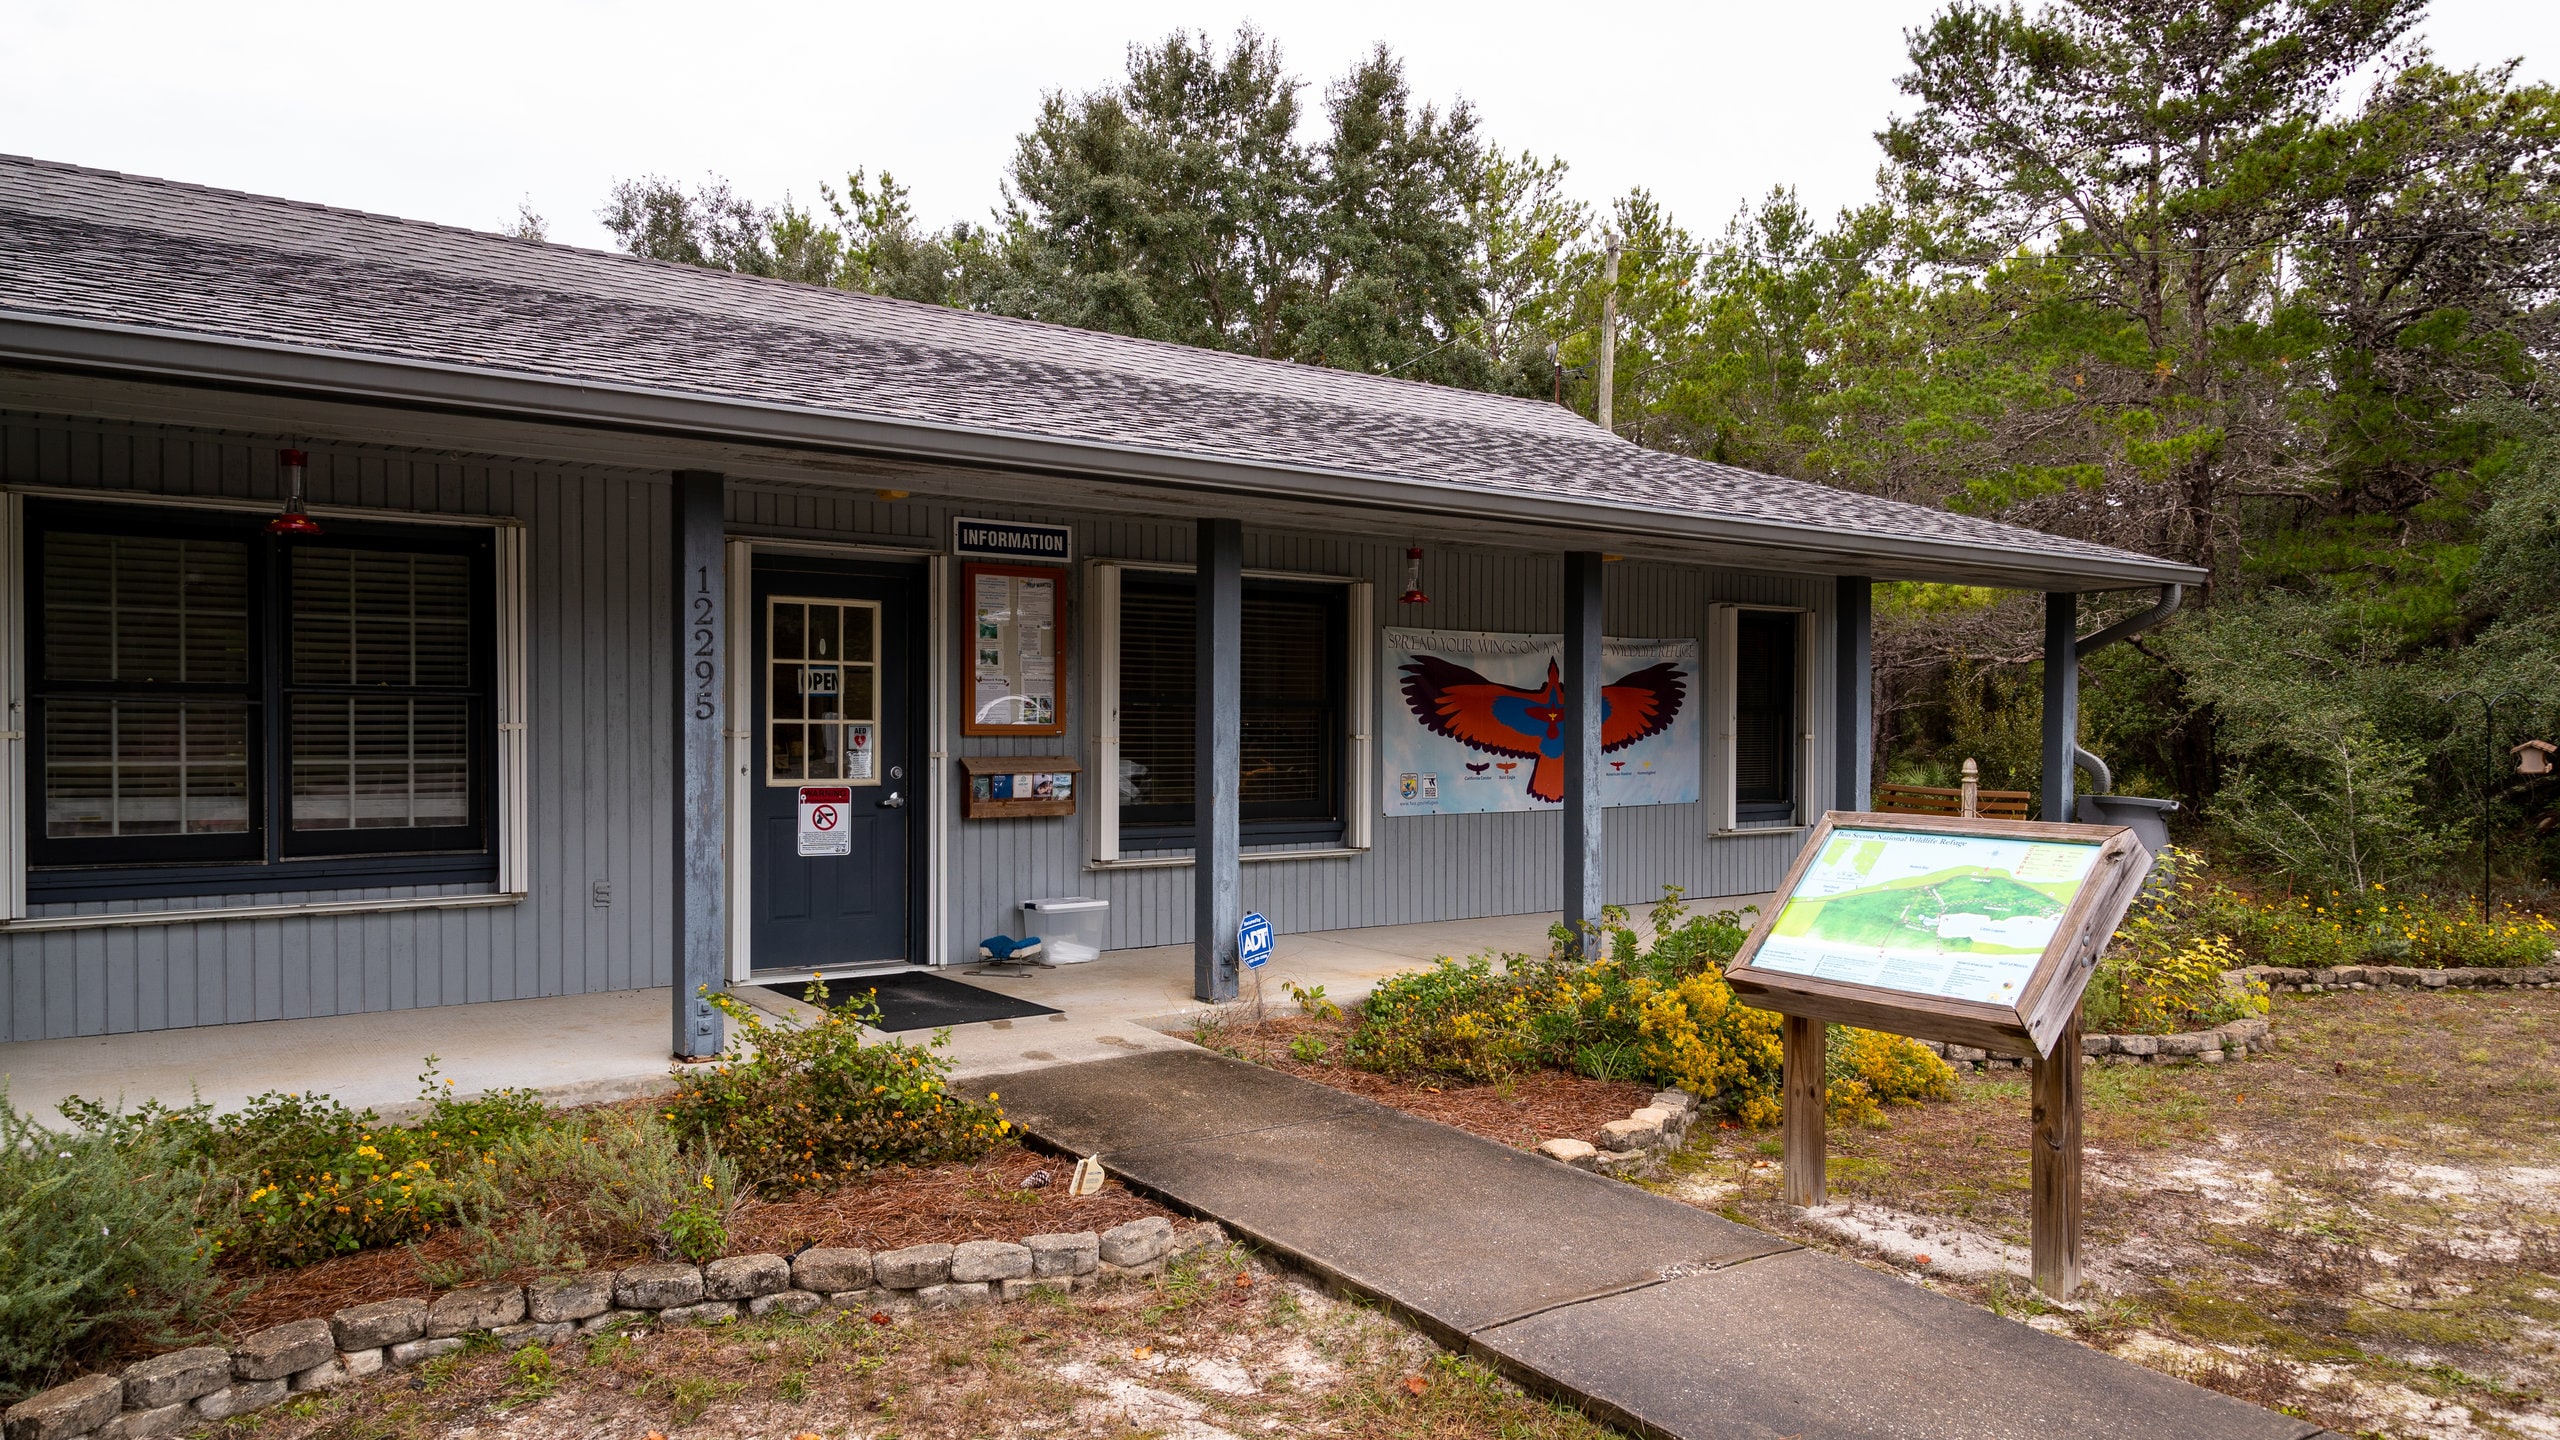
column 1609, row 338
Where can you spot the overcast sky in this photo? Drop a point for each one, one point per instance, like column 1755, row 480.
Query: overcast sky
column 459, row 111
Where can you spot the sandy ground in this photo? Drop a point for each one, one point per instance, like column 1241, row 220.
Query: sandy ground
column 1218, row 1349
column 2361, row 1227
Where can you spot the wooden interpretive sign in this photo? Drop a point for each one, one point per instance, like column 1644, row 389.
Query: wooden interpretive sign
column 1975, row 932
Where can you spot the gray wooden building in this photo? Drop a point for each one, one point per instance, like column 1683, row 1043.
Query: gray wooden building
column 619, row 563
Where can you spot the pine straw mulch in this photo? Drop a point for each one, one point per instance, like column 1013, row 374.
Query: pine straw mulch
column 1519, row 1111
column 975, row 1200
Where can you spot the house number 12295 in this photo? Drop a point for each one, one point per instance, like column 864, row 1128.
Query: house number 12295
column 706, row 662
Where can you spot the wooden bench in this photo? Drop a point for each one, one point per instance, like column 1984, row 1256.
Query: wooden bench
column 1952, row 800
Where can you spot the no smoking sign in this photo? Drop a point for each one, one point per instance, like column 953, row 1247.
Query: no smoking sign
column 824, row 810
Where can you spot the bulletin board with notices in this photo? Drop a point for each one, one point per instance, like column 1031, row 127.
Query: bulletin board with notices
column 1016, row 650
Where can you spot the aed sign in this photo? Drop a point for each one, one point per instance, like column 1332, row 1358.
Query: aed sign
column 1254, row 941
column 824, row 811
column 1011, row 540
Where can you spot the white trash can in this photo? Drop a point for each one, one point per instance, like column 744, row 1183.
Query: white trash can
column 1071, row 928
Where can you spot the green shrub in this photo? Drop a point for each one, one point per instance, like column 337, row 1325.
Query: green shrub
column 102, row 1248
column 1456, row 1019
column 591, row 1185
column 800, row 1105
column 1660, row 1013
column 2164, row 969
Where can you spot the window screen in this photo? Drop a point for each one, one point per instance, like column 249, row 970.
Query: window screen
column 1764, row 715
column 1292, row 696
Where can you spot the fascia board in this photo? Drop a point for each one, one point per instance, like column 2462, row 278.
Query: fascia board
column 50, row 341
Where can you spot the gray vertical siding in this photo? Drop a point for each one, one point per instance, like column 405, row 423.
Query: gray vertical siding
column 1420, row 868
column 596, row 579
column 601, row 750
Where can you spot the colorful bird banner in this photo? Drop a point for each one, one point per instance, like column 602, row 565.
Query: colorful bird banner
column 1473, row 722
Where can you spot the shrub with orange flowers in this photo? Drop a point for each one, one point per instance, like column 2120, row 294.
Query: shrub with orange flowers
column 801, row 1105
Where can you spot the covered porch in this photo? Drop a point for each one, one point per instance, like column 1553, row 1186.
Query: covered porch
column 589, row 1049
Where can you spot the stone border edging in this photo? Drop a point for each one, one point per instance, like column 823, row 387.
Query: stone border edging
column 1654, row 1130
column 205, row 1383
column 2287, row 981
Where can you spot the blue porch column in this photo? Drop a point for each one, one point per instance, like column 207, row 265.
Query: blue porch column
column 1217, row 761
column 701, row 800
column 2061, row 701
column 1854, row 691
column 1584, row 825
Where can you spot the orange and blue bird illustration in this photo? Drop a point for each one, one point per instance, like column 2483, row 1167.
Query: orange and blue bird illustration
column 1498, row 719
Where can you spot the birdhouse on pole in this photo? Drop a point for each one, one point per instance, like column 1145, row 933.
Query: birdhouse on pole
column 2533, row 757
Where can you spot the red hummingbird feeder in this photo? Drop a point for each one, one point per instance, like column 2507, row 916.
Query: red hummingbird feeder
column 296, row 522
column 1413, row 578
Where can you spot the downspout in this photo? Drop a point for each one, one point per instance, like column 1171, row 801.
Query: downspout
column 2124, row 629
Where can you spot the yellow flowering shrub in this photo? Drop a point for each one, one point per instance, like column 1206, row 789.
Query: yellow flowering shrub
column 794, row 1106
column 1661, row 1014
column 1865, row 1070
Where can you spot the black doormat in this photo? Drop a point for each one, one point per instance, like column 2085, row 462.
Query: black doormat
column 914, row 1000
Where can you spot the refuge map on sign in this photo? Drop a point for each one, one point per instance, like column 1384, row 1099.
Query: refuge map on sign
column 1961, row 917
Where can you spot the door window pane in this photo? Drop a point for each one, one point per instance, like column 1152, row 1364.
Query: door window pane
column 816, row 689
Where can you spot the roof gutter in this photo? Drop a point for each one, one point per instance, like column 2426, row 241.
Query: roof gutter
column 55, row 342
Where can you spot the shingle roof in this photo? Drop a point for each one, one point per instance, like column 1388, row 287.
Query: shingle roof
column 82, row 245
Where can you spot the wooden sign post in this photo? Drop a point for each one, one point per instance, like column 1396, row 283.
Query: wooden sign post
column 1974, row 932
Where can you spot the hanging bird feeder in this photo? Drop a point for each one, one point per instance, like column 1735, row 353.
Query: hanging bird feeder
column 296, row 522
column 2533, row 757
column 1413, row 578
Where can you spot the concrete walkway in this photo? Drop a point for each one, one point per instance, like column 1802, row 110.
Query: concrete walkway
column 1650, row 1314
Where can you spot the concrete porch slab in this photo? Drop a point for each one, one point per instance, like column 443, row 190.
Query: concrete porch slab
column 1138, row 997
column 575, row 1049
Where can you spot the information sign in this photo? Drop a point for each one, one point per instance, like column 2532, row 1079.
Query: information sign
column 1980, row 932
column 823, row 813
column 1255, row 941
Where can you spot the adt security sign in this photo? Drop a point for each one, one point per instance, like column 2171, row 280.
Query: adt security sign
column 1254, row 941
column 823, row 812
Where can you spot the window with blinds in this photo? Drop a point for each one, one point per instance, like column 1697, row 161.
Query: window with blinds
column 380, row 700
column 205, row 694
column 1764, row 716
column 145, row 645
column 1293, row 701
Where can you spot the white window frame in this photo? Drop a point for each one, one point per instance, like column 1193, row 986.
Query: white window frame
column 1723, row 637
column 511, row 819
column 1102, row 701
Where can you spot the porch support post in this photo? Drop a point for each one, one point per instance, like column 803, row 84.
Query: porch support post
column 701, row 797
column 2061, row 701
column 1854, row 690
column 1584, row 891
column 1217, row 761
